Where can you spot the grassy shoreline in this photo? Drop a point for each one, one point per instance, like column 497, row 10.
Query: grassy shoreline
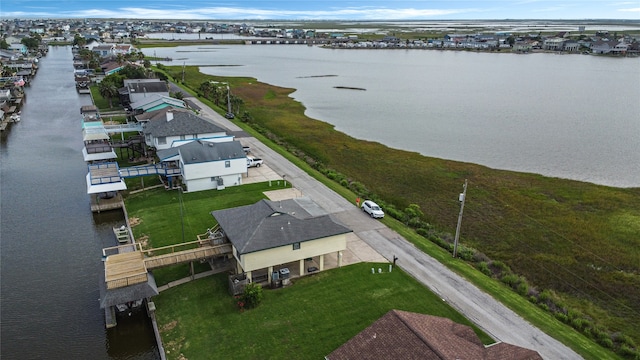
column 557, row 233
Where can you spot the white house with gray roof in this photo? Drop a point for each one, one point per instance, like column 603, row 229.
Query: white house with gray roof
column 272, row 234
column 179, row 126
column 209, row 165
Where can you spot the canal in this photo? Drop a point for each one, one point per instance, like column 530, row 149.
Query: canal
column 50, row 242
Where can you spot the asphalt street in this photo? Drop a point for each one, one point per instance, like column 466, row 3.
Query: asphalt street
column 480, row 308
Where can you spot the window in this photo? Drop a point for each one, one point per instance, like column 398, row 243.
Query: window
column 296, row 246
column 162, row 140
column 227, row 163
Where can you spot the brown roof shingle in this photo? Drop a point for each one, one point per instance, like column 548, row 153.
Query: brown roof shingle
column 406, row 335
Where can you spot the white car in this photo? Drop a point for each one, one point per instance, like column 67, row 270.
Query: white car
column 372, row 209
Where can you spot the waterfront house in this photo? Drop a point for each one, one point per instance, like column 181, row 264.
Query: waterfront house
column 135, row 90
column 159, row 114
column 155, row 102
column 407, row 335
column 279, row 237
column 602, row 47
column 19, row 48
column 111, row 67
column 105, row 50
column 206, row 165
column 553, row 44
column 178, row 126
column 124, row 49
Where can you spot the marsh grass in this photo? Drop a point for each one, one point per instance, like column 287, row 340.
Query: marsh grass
column 575, row 238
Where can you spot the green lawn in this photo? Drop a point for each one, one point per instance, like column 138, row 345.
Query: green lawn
column 158, row 219
column 307, row 320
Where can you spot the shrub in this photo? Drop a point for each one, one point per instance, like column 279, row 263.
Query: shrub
column 511, row 279
column 498, row 268
column 624, row 340
column 605, row 341
column 465, row 253
column 562, row 317
column 546, row 295
column 629, row 352
column 359, row 188
column 396, row 214
column 423, row 232
column 523, row 287
column 580, row 323
column 252, row 295
column 484, row 268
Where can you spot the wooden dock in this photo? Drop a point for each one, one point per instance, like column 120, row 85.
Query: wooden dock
column 127, row 265
column 185, row 256
column 101, row 204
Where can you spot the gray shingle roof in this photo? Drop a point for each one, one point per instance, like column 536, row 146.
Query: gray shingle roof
column 123, row 295
column 183, row 123
column 203, row 151
column 270, row 224
column 145, row 86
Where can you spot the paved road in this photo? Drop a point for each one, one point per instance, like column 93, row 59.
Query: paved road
column 487, row 313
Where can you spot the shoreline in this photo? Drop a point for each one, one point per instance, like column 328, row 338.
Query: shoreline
column 503, row 207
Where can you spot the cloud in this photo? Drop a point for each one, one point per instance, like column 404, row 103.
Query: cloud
column 348, row 13
column 631, row 10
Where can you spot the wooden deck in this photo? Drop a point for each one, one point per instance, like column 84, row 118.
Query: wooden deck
column 126, row 265
column 186, row 256
column 125, row 269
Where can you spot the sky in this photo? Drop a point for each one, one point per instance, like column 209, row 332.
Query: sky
column 322, row 10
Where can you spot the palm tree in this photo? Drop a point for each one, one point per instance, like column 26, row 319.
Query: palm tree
column 206, row 87
column 216, row 93
column 237, row 102
column 108, row 90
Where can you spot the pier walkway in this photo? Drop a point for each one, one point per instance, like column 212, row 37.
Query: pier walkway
column 129, row 264
column 151, row 169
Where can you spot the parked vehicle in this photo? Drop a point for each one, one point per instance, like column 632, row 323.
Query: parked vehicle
column 372, row 209
column 253, row 162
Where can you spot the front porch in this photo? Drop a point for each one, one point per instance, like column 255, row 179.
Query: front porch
column 292, row 270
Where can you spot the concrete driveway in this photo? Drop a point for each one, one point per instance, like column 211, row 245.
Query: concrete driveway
column 487, row 313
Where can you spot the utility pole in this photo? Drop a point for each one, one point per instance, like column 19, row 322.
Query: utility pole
column 228, row 99
column 461, row 198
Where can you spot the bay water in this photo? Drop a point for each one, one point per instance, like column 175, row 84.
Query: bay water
column 567, row 116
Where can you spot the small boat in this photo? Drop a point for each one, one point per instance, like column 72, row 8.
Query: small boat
column 122, row 234
column 129, row 306
column 15, row 117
